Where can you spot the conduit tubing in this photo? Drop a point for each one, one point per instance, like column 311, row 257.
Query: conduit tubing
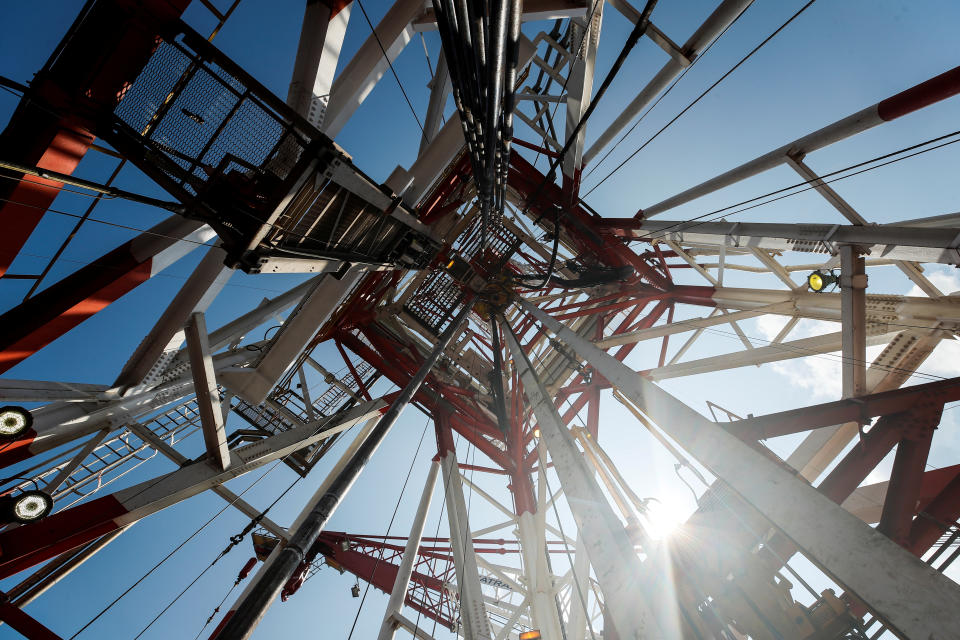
column 261, row 595
column 480, row 42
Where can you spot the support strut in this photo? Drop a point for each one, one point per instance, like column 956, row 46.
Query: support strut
column 253, row 607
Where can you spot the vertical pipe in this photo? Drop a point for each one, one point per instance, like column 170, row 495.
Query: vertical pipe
column 496, row 379
column 622, row 578
column 402, row 582
column 345, row 458
column 254, row 605
column 853, row 317
column 473, row 611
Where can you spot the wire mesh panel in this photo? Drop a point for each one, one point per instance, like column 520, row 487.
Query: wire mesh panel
column 247, row 164
column 436, row 301
column 440, row 297
column 205, row 122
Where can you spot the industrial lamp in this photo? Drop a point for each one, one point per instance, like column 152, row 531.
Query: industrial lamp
column 819, row 280
column 533, row 634
column 25, row 507
column 14, row 421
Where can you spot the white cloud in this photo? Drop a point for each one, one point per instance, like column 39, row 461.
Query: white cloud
column 820, row 375
column 943, row 278
column 945, row 359
column 769, row 326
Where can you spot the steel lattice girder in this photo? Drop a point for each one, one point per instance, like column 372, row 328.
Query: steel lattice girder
column 582, row 230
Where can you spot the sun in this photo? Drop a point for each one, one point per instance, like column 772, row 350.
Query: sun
column 662, row 519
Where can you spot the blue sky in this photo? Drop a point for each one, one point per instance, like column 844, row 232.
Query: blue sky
column 837, row 58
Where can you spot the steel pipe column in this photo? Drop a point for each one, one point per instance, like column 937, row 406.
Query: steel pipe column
column 853, row 315
column 402, row 582
column 345, row 458
column 473, row 610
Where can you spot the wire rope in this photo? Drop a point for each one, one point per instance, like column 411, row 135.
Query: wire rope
column 812, row 183
column 699, row 57
column 393, row 517
column 390, row 64
column 635, row 34
column 234, row 541
column 171, row 553
column 702, row 95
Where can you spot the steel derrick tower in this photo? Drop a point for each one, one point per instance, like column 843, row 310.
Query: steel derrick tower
column 483, row 288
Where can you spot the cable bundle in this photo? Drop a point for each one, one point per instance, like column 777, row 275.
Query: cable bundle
column 480, row 40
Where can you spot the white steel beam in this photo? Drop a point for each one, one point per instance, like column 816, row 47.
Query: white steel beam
column 473, row 613
column 690, row 324
column 853, row 316
column 917, row 97
column 161, row 345
column 803, row 347
column 851, row 214
column 44, row 391
column 321, row 38
column 712, row 27
column 147, row 435
column 254, row 383
column 876, row 241
column 611, row 553
column 540, row 584
column 30, row 544
column 61, row 422
column 440, row 88
column 909, row 597
column 368, row 65
column 402, row 581
column 579, row 85
column 207, row 393
column 897, row 311
column 234, row 330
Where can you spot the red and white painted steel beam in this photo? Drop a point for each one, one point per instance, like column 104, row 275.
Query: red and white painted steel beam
column 47, row 131
column 37, row 542
column 40, row 320
column 926, row 93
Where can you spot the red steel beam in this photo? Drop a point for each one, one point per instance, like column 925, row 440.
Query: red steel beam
column 860, row 409
column 935, row 517
column 906, row 481
column 862, row 459
column 23, row 623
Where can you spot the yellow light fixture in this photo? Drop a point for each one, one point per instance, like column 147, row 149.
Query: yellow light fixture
column 450, row 264
column 536, row 432
column 533, row 634
column 819, row 280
